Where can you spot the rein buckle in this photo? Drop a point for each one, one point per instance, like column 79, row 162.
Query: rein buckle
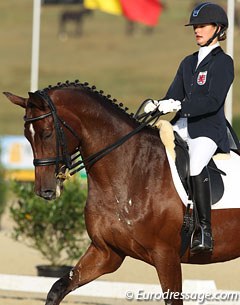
column 63, row 176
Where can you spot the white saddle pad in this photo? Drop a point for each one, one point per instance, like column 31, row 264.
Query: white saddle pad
column 231, row 167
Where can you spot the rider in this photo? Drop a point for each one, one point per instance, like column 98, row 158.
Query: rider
column 198, row 93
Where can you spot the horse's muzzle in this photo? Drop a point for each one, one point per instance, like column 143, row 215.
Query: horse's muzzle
column 48, row 194
column 51, row 191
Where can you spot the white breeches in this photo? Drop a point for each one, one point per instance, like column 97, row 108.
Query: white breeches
column 201, row 149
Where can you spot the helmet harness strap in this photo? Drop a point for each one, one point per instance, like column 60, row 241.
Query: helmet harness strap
column 216, row 34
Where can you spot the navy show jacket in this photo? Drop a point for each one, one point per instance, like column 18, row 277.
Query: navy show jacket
column 202, row 93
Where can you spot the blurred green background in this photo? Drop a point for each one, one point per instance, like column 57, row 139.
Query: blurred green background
column 129, row 67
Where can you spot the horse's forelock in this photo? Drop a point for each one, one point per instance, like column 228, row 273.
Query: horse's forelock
column 35, row 100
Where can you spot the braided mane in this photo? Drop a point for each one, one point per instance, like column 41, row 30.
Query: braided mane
column 92, row 90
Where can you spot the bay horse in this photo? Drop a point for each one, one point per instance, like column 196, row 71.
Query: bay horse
column 132, row 207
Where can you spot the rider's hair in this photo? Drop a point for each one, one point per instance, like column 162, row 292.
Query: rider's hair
column 223, row 36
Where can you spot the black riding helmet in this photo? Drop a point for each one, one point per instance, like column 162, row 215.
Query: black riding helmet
column 210, row 13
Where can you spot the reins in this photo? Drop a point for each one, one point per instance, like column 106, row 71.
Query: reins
column 89, row 161
column 69, row 161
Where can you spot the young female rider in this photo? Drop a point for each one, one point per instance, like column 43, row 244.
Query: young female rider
column 198, row 93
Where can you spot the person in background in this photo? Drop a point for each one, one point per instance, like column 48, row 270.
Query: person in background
column 198, row 94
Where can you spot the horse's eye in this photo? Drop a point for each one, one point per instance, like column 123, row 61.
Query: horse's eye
column 46, row 134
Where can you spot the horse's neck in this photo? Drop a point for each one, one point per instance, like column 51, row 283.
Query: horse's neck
column 99, row 124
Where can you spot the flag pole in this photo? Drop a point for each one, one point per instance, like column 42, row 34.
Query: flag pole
column 35, row 44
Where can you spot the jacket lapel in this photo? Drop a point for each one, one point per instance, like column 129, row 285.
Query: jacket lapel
column 209, row 57
column 194, row 62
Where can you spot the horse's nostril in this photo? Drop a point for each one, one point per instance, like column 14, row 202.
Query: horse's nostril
column 48, row 194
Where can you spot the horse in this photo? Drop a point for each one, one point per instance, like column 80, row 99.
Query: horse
column 76, row 17
column 132, row 208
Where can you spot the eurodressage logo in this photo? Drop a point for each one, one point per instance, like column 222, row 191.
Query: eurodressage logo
column 202, row 77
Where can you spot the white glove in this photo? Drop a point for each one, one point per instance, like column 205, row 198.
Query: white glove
column 151, row 106
column 170, row 105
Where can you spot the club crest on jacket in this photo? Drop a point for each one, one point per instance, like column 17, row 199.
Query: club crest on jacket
column 202, row 77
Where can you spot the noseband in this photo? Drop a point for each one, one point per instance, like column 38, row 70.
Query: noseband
column 62, row 158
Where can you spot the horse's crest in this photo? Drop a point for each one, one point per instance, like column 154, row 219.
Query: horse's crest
column 91, row 89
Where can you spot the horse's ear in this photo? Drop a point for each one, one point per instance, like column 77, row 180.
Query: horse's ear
column 36, row 101
column 17, row 100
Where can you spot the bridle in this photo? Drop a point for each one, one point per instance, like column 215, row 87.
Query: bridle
column 62, row 158
column 70, row 163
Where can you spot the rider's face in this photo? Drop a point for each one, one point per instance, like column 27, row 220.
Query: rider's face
column 203, row 33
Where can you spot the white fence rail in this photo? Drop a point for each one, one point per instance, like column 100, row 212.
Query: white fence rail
column 195, row 290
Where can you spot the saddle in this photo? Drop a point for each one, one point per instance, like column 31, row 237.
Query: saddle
column 178, row 150
column 182, row 165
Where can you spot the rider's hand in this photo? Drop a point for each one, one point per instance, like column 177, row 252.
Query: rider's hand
column 151, row 105
column 170, row 105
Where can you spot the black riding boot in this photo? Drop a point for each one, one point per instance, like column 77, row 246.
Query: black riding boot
column 202, row 239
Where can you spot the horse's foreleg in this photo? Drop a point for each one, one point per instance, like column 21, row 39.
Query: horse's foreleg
column 94, row 263
column 168, row 267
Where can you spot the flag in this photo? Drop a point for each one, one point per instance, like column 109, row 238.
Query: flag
column 107, row 6
column 144, row 11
